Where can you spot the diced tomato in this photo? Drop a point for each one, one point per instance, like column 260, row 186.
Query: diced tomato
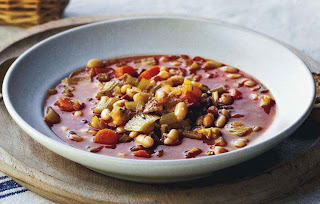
column 149, row 73
column 186, row 57
column 67, row 104
column 190, row 98
column 158, row 78
column 125, row 70
column 142, row 153
column 235, row 93
column 106, row 136
column 192, row 88
column 199, row 59
column 101, row 70
column 191, row 93
column 213, row 110
column 173, row 57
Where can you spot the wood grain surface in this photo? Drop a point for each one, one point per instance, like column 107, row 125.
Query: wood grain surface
column 289, row 172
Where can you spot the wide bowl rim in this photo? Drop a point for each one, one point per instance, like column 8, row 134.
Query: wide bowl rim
column 43, row 139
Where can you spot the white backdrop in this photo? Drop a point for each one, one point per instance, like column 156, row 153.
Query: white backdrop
column 296, row 22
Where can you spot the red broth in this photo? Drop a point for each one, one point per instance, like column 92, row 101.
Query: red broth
column 246, row 109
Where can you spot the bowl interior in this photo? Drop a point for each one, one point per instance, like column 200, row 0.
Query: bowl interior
column 44, row 65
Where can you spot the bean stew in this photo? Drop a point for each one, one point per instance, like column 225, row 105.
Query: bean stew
column 159, row 107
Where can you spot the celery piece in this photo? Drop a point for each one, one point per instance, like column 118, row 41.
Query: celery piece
column 98, row 123
column 187, row 81
column 141, row 123
column 192, row 135
column 219, row 89
column 209, row 132
column 140, row 106
column 52, row 91
column 131, row 105
column 155, row 88
column 204, row 88
column 185, row 123
column 239, row 130
column 144, row 84
column 169, row 118
column 164, row 128
column 101, row 105
column 52, row 116
column 110, row 102
column 130, row 79
column 152, row 106
column 95, row 122
column 71, row 81
column 107, row 88
column 150, row 61
column 103, row 77
column 124, row 138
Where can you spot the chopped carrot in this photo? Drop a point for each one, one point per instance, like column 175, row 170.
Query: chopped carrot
column 125, row 70
column 67, row 104
column 142, row 153
column 106, row 136
column 149, row 73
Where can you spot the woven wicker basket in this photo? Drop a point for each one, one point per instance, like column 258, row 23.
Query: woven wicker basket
column 30, row 12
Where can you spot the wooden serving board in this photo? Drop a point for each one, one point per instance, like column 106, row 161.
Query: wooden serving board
column 288, row 172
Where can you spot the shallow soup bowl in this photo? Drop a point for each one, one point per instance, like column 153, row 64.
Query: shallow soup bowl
column 45, row 64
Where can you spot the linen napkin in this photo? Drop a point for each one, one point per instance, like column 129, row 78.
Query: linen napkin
column 13, row 193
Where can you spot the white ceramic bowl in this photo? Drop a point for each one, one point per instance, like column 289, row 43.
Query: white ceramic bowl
column 43, row 65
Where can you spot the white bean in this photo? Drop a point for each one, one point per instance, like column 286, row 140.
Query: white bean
column 181, row 111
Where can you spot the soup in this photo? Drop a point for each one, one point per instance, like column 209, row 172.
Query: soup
column 159, row 107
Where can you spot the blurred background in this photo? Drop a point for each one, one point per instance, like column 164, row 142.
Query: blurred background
column 296, row 22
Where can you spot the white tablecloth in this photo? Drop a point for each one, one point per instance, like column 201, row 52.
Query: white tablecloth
column 296, row 22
